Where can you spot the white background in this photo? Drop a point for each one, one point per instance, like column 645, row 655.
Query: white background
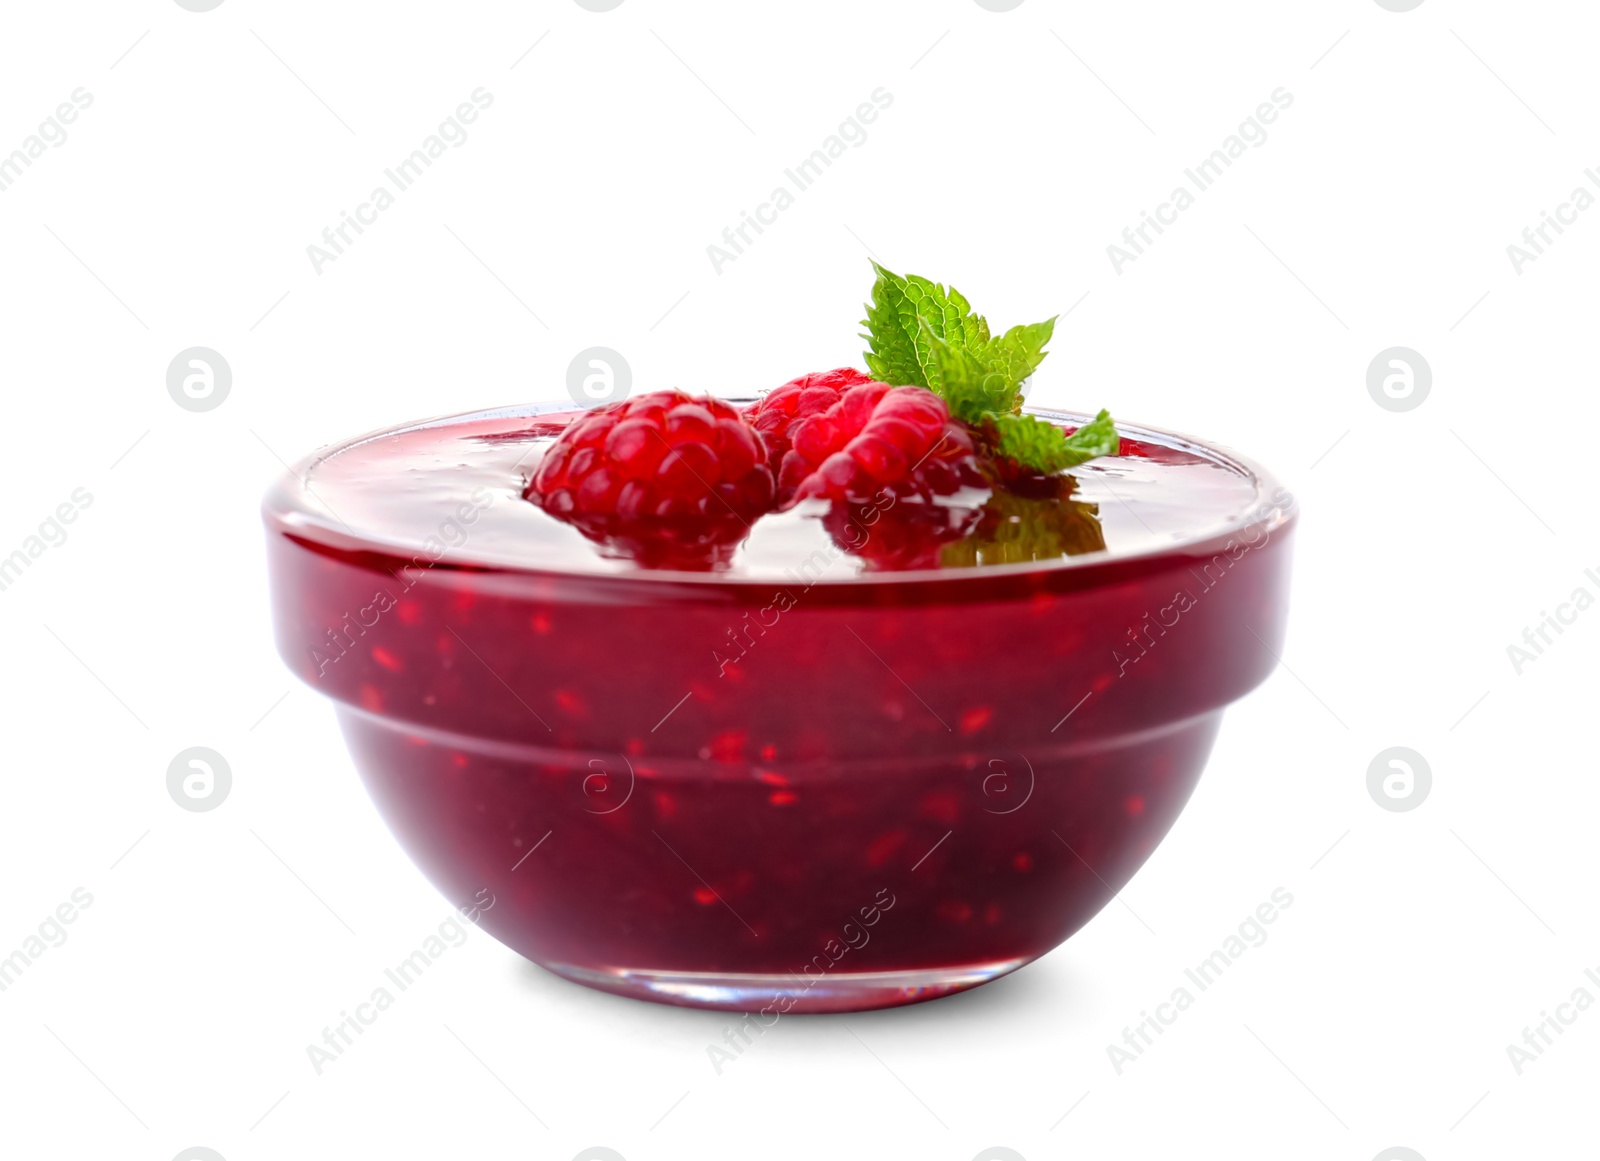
column 218, row 945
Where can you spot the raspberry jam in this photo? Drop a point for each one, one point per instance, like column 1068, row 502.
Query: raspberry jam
column 850, row 758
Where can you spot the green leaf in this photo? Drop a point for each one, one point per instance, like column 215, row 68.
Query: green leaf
column 903, row 314
column 911, row 319
column 919, row 334
column 970, row 385
column 1040, row 446
column 944, row 317
column 1098, row 437
column 1018, row 353
column 892, row 357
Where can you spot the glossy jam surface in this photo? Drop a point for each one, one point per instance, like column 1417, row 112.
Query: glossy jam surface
column 775, row 787
column 407, row 488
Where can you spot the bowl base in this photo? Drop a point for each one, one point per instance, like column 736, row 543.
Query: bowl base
column 777, row 993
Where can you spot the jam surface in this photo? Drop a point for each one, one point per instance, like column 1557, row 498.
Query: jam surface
column 407, row 488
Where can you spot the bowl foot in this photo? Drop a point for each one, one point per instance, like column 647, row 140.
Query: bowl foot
column 778, row 992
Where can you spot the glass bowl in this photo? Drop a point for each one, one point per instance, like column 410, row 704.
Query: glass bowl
column 909, row 784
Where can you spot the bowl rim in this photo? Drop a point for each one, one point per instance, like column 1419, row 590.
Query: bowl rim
column 291, row 507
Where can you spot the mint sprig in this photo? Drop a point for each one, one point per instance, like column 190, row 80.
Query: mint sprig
column 974, row 387
column 920, row 334
column 904, row 320
column 1040, row 444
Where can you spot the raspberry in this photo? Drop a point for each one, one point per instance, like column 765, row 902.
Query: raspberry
column 780, row 412
column 878, row 437
column 661, row 456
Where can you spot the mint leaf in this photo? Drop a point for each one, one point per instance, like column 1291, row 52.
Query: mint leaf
column 1098, row 437
column 892, row 357
column 945, row 317
column 1040, row 446
column 1018, row 353
column 969, row 383
column 919, row 334
column 902, row 316
column 911, row 319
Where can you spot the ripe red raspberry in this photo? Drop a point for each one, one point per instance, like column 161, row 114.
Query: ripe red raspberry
column 780, row 412
column 665, row 455
column 878, row 437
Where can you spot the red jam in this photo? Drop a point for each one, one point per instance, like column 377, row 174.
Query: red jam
column 797, row 776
